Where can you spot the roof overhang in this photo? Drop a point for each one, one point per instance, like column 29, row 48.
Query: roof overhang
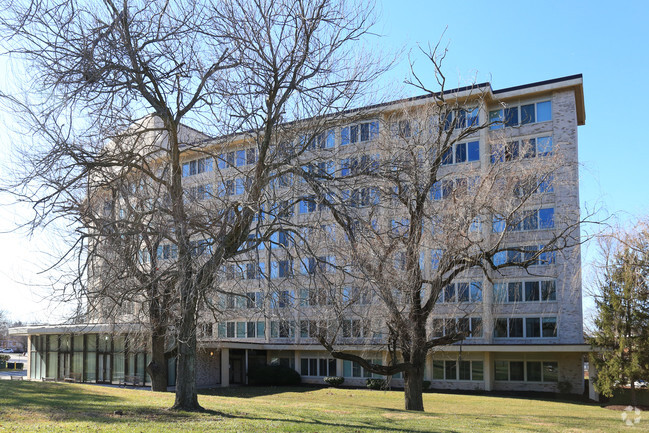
column 82, row 328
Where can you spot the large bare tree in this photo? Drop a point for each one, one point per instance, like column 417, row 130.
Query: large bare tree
column 409, row 224
column 109, row 89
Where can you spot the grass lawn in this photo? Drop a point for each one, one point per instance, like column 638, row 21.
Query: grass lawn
column 40, row 406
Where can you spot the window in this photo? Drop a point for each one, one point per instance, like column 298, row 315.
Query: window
column 197, row 166
column 460, row 119
column 458, row 370
column 307, row 204
column 529, row 220
column 359, row 133
column 509, row 370
column 513, row 150
column 549, row 327
column 351, row 369
column 527, row 291
column 359, row 165
column 319, row 367
column 225, row 160
column 529, row 113
column 535, row 327
column 282, row 329
column 464, row 152
column 281, row 269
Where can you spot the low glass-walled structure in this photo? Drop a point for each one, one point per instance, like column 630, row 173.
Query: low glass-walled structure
column 87, row 353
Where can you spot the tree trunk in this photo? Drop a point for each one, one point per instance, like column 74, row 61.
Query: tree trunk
column 414, row 379
column 186, row 396
column 634, row 397
column 157, row 368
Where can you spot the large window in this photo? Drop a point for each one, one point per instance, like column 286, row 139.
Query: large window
column 528, row 254
column 525, row 327
column 530, row 148
column 462, row 292
column 359, row 133
column 458, row 370
column 521, row 115
column 525, row 291
column 538, row 219
column 462, row 152
column 197, row 166
column 318, row 367
column 530, row 371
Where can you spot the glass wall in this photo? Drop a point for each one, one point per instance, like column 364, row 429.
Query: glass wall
column 93, row 357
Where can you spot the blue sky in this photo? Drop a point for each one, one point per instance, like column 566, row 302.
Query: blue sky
column 506, row 43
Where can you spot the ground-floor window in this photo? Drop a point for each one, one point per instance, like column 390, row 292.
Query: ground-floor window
column 530, row 371
column 458, row 370
column 352, row 369
column 319, row 367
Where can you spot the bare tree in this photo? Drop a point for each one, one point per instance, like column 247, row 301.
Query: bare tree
column 409, row 225
column 110, row 87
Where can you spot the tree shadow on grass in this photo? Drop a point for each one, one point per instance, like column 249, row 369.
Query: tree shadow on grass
column 255, row 391
column 66, row 402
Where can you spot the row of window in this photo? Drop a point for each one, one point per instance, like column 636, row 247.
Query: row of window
column 237, row 158
column 525, row 327
column 530, row 371
column 197, row 166
column 241, row 329
column 537, row 219
column 458, row 370
column 521, row 115
column 525, row 254
column 513, row 150
column 470, row 326
column 462, row 292
column 525, row 291
column 464, row 152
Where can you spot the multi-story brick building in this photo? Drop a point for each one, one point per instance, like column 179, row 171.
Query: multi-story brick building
column 526, row 324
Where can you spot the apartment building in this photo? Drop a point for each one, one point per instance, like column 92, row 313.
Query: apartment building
column 523, row 325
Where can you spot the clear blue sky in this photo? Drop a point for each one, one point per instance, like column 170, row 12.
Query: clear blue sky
column 507, row 43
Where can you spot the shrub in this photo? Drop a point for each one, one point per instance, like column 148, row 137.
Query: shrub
column 5, row 358
column 377, row 384
column 334, row 380
column 273, row 375
column 564, row 387
column 425, row 385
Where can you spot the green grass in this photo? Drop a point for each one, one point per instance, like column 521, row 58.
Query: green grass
column 39, row 406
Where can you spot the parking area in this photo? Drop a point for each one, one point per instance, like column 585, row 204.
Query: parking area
column 8, row 374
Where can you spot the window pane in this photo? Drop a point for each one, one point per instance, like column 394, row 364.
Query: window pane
column 516, row 327
column 447, row 157
column 473, row 151
column 544, row 146
column 438, row 370
column 304, row 366
column 511, row 116
column 460, row 153
column 549, row 327
column 495, row 119
column 548, row 291
column 463, row 292
column 476, row 291
column 516, row 370
column 450, row 370
column 449, row 293
column 527, row 114
column 532, row 327
column 502, row 370
column 500, row 328
column 465, row 370
column 476, row 327
column 531, row 291
column 534, row 371
column 477, row 369
column 544, row 111
column 515, row 292
column 546, row 218
column 550, row 372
